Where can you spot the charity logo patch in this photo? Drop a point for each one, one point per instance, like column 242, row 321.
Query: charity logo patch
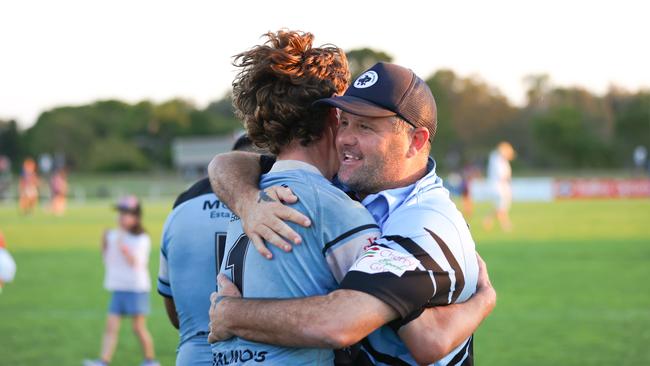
column 377, row 259
column 367, row 79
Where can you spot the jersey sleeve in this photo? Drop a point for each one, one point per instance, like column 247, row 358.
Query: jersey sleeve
column 164, row 285
column 348, row 229
column 411, row 266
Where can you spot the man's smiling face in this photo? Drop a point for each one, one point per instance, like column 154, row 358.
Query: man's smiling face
column 370, row 151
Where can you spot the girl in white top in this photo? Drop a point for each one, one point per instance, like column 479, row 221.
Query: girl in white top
column 126, row 257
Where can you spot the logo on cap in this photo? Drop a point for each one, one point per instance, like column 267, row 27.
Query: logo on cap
column 367, row 79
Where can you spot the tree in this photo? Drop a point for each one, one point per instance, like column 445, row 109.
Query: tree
column 10, row 142
column 472, row 116
column 114, row 154
column 361, row 59
column 566, row 141
column 633, row 124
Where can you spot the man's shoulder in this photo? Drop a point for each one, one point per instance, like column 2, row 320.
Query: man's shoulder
column 312, row 189
column 430, row 211
column 337, row 204
column 197, row 203
column 197, row 189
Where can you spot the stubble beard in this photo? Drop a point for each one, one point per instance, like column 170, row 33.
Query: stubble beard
column 372, row 177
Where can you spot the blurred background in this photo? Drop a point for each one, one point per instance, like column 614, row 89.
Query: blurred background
column 100, row 100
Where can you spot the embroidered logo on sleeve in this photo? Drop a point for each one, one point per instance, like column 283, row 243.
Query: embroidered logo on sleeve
column 378, row 259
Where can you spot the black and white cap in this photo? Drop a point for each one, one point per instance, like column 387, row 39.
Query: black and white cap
column 387, row 90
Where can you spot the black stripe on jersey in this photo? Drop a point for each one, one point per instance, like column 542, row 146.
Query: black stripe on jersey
column 203, row 186
column 460, row 277
column 382, row 357
column 163, row 282
column 197, row 189
column 165, row 295
column 442, row 279
column 348, row 234
column 469, row 349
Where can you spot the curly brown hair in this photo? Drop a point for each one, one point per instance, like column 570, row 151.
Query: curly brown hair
column 279, row 81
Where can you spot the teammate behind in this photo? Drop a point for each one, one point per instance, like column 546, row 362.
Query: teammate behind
column 193, row 240
column 274, row 94
column 126, row 257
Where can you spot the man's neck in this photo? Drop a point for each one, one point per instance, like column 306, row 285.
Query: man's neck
column 311, row 154
column 409, row 178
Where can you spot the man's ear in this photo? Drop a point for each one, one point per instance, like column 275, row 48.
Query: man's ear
column 419, row 139
column 333, row 116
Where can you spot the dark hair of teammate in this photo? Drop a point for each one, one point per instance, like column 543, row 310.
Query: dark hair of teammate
column 279, row 81
column 243, row 143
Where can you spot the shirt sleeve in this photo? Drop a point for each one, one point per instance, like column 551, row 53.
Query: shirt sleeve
column 164, row 285
column 348, row 229
column 411, row 266
column 342, row 252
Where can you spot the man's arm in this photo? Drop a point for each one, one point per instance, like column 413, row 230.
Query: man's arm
column 336, row 320
column 234, row 178
column 439, row 330
column 170, row 308
column 344, row 317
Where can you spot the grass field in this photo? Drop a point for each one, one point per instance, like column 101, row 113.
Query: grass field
column 573, row 281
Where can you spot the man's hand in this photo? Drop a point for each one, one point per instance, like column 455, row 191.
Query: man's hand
column 263, row 216
column 234, row 178
column 218, row 331
column 484, row 286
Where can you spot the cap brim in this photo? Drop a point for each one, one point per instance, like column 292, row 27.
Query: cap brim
column 357, row 106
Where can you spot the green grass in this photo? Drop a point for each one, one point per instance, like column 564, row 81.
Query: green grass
column 573, row 285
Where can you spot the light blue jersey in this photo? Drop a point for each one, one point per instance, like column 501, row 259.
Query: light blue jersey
column 341, row 229
column 193, row 234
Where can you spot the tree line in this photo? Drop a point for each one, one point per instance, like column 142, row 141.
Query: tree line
column 557, row 128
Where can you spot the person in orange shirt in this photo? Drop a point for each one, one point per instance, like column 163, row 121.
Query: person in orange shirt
column 28, row 187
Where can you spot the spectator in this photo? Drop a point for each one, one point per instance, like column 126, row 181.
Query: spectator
column 126, row 257
column 59, row 189
column 499, row 177
column 28, row 187
column 5, row 176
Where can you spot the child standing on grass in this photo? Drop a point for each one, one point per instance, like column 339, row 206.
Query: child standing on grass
column 126, row 257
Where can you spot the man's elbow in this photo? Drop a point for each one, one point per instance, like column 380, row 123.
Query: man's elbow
column 213, row 167
column 340, row 338
column 334, row 334
column 433, row 351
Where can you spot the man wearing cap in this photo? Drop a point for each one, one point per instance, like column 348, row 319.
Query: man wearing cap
column 425, row 258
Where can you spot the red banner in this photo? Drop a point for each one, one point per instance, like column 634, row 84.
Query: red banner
column 601, row 188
